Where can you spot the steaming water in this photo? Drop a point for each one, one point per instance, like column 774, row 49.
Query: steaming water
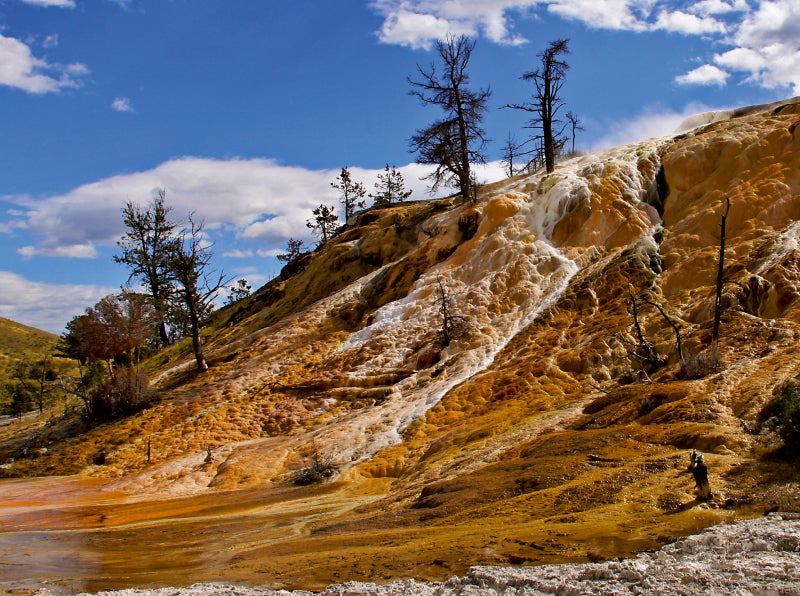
column 499, row 281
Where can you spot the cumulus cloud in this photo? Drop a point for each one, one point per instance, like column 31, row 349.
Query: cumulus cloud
column 708, row 74
column 717, row 7
column 764, row 36
column 767, row 45
column 122, row 104
column 20, row 69
column 688, row 24
column 418, row 31
column 418, row 23
column 42, row 305
column 629, row 15
column 255, row 199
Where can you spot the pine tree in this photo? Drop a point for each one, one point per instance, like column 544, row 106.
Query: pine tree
column 324, row 223
column 294, row 249
column 390, row 189
column 352, row 193
column 145, row 249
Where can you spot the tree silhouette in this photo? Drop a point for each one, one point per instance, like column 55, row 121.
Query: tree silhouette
column 455, row 141
column 549, row 78
column 511, row 149
column 294, row 249
column 323, row 224
column 190, row 266
column 575, row 125
column 390, row 188
column 145, row 249
column 352, row 193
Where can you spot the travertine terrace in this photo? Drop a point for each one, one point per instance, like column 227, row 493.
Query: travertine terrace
column 530, row 439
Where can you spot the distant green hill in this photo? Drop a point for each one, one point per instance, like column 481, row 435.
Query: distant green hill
column 20, row 342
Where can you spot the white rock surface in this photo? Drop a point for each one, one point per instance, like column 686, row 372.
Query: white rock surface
column 755, row 557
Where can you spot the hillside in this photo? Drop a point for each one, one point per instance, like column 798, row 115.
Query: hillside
column 20, row 342
column 531, row 438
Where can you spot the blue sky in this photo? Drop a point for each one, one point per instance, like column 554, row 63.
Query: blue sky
column 245, row 110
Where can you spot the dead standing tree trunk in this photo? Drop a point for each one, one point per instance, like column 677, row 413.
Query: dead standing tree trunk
column 720, row 279
column 453, row 326
column 699, row 471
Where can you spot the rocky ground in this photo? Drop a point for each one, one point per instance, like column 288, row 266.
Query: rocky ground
column 759, row 556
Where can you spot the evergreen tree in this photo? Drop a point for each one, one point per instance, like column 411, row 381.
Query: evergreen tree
column 145, row 250
column 294, row 250
column 240, row 291
column 323, row 223
column 352, row 193
column 390, row 189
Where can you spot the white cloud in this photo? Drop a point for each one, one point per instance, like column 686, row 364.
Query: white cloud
column 708, row 74
column 122, row 104
column 688, row 24
column 652, row 122
column 418, row 23
column 57, row 3
column 626, row 15
column 42, row 305
column 712, row 7
column 272, row 252
column 256, row 199
column 764, row 35
column 776, row 22
column 767, row 45
column 417, row 31
column 20, row 69
column 51, row 41
column 238, row 254
column 75, row 251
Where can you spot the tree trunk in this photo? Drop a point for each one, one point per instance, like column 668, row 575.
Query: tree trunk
column 720, row 278
column 547, row 125
column 197, row 341
column 41, row 385
column 463, row 175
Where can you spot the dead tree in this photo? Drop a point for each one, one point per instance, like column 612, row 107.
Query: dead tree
column 190, row 264
column 511, row 149
column 457, row 140
column 640, row 348
column 675, row 328
column 575, row 125
column 720, row 278
column 454, row 326
column 544, row 105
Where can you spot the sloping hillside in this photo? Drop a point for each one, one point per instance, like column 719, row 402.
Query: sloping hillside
column 20, row 342
column 530, row 437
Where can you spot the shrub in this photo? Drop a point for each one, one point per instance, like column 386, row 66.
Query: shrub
column 124, row 393
column 696, row 365
column 786, row 408
column 321, row 466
